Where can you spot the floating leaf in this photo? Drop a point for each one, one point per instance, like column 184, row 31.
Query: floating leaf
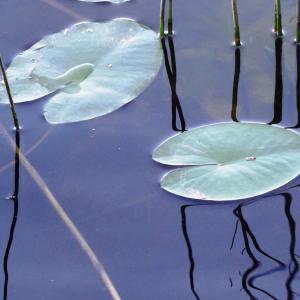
column 95, row 68
column 229, row 161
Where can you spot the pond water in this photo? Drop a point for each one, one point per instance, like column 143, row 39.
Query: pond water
column 154, row 245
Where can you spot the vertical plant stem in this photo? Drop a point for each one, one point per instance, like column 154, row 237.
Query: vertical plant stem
column 298, row 22
column 278, row 21
column 162, row 18
column 170, row 18
column 276, row 18
column 237, row 38
column 11, row 102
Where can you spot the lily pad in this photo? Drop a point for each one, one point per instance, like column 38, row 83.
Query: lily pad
column 229, row 161
column 94, row 68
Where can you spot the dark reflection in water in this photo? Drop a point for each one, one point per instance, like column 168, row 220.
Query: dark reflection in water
column 15, row 200
column 294, row 265
column 237, row 71
column 251, row 247
column 278, row 83
column 298, row 86
column 278, row 95
column 171, row 69
column 248, row 235
column 190, row 249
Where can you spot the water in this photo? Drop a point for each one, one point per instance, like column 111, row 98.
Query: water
column 153, row 245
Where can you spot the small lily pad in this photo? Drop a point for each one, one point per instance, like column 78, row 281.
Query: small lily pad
column 94, row 68
column 229, row 161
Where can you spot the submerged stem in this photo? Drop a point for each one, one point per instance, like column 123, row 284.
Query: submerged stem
column 11, row 101
column 170, row 18
column 162, row 17
column 237, row 38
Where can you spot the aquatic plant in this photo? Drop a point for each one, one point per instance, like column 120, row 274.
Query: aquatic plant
column 95, row 68
column 278, row 21
column 162, row 18
column 9, row 94
column 237, row 38
column 170, row 18
column 229, row 161
column 298, row 23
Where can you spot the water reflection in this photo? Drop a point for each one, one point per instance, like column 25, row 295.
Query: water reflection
column 278, row 83
column 171, row 69
column 15, row 200
column 254, row 251
column 190, row 250
column 248, row 235
column 293, row 265
column 278, row 94
column 298, row 86
column 237, row 71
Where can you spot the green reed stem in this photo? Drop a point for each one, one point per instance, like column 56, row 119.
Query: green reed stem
column 298, row 23
column 237, row 38
column 170, row 18
column 162, row 18
column 275, row 18
column 278, row 19
column 11, row 102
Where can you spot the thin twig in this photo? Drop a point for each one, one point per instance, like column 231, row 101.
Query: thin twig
column 65, row 218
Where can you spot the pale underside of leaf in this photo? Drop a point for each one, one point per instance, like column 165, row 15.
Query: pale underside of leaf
column 95, row 68
column 230, row 161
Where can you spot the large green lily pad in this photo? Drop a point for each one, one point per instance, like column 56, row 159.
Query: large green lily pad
column 94, row 68
column 229, row 161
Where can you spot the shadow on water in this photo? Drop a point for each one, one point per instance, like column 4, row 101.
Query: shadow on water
column 171, row 69
column 15, row 200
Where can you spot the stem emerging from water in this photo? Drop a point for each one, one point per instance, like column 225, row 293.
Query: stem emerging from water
column 298, row 22
column 278, row 22
column 162, row 18
column 237, row 38
column 170, row 18
column 11, row 101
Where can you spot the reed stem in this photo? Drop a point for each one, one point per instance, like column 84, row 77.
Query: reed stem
column 11, row 101
column 170, row 18
column 278, row 20
column 237, row 38
column 162, row 18
column 298, row 23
